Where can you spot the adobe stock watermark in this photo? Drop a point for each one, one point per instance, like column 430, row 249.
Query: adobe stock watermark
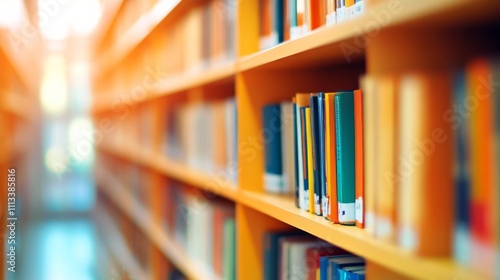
column 380, row 19
column 121, row 107
column 48, row 10
column 456, row 116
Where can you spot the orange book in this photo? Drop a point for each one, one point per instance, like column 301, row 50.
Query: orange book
column 331, row 158
column 425, row 165
column 358, row 134
column 482, row 133
column 310, row 160
column 220, row 135
column 370, row 114
column 314, row 14
column 386, row 160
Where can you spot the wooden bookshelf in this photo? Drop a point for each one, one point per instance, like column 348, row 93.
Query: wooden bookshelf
column 315, row 62
column 117, row 247
column 143, row 220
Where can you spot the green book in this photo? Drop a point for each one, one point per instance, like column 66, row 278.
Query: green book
column 229, row 250
column 346, row 187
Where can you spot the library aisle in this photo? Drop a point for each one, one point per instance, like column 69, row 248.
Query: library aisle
column 249, row 139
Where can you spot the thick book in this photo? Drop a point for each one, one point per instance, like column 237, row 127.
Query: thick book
column 321, row 153
column 302, row 100
column 287, row 147
column 425, row 212
column 296, row 152
column 462, row 240
column 229, row 267
column 480, row 88
column 273, row 177
column 370, row 114
column 358, row 134
column 387, row 184
column 316, row 152
column 330, row 196
column 344, row 122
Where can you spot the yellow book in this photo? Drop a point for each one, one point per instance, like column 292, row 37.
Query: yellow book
column 310, row 160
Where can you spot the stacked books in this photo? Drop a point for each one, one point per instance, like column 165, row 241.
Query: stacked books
column 282, row 20
column 203, row 136
column 206, row 228
column 321, row 134
column 298, row 255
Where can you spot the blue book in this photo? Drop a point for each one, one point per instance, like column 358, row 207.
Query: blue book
column 279, row 19
column 273, row 177
column 296, row 154
column 462, row 245
column 346, row 185
column 317, row 159
column 322, row 153
column 304, row 163
column 336, row 263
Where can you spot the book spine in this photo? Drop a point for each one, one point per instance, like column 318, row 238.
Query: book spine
column 358, row 123
column 322, row 153
column 310, row 161
column 305, row 159
column 316, row 156
column 296, row 152
column 279, row 19
column 462, row 180
column 273, row 176
column 344, row 122
column 496, row 217
column 287, row 125
column 331, row 159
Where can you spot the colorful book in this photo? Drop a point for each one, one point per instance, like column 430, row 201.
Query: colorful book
column 358, row 134
column 316, row 152
column 273, row 177
column 370, row 114
column 344, row 123
column 302, row 100
column 331, row 159
column 310, row 161
column 386, row 161
column 296, row 152
column 462, row 240
column 229, row 271
column 425, row 212
column 480, row 88
column 287, row 147
column 322, row 153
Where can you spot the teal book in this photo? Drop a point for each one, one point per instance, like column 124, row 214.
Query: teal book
column 229, row 264
column 346, row 165
column 273, row 177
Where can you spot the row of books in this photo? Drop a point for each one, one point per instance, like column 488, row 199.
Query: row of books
column 205, row 226
column 282, row 20
column 314, row 146
column 475, row 124
column 135, row 241
column 204, row 37
column 203, row 136
column 298, row 255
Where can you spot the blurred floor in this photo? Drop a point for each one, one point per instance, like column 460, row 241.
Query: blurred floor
column 67, row 248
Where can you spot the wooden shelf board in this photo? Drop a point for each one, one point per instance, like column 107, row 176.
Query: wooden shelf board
column 21, row 62
column 182, row 82
column 356, row 240
column 110, row 13
column 117, row 245
column 175, row 84
column 142, row 219
column 282, row 208
column 327, row 45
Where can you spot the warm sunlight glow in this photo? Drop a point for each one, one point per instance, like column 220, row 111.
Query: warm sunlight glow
column 57, row 19
column 11, row 13
column 80, row 139
column 53, row 93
